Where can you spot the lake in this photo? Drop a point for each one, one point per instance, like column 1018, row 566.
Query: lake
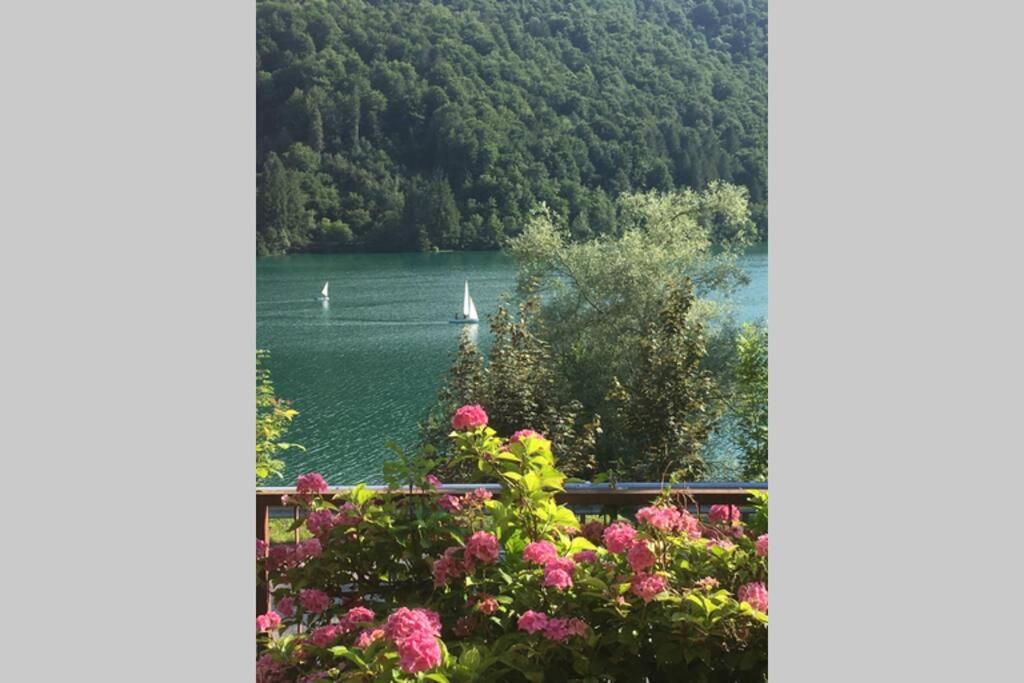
column 366, row 367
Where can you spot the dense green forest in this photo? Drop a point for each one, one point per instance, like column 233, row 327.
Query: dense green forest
column 421, row 124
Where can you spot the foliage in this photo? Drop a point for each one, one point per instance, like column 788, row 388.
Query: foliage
column 601, row 296
column 416, row 584
column 669, row 403
column 751, row 401
column 519, row 385
column 440, row 123
column 273, row 416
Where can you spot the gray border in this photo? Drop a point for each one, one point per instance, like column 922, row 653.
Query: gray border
column 894, row 132
column 128, row 282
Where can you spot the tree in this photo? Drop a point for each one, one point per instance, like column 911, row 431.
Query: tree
column 282, row 222
column 751, row 400
column 668, row 407
column 273, row 417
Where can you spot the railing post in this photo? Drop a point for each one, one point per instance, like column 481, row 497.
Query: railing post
column 263, row 534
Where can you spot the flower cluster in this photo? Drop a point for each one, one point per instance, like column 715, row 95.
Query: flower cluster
column 414, row 633
column 469, row 417
column 553, row 628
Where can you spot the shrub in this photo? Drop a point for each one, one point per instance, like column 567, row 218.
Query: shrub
column 409, row 585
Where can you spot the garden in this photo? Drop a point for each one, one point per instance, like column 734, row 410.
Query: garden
column 417, row 584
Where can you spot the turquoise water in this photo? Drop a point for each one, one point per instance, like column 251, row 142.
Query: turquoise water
column 366, row 367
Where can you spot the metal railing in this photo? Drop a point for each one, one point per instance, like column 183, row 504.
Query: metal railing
column 584, row 499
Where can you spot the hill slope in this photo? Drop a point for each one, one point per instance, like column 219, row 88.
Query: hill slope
column 405, row 124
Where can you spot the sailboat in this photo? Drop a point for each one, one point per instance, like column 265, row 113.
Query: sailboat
column 323, row 293
column 468, row 316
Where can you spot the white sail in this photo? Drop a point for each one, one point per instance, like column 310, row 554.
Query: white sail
column 323, row 292
column 472, row 310
column 466, row 303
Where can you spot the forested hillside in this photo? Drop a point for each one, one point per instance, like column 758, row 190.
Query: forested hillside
column 420, row 124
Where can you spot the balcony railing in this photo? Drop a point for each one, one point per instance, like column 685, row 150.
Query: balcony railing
column 586, row 500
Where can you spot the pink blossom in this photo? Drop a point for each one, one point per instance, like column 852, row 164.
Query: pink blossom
column 469, row 417
column 487, row 604
column 641, row 557
column 419, row 652
column 280, row 556
column 348, row 515
column 309, row 548
column 312, row 482
column 369, row 636
column 320, row 522
column 531, row 621
column 724, row 513
column 592, row 531
column 285, row 606
column 479, row 495
column 754, row 594
column 558, row 579
column 450, row 503
column 433, row 481
column 762, row 545
column 560, row 630
column 314, row 600
column 688, row 524
column 524, row 434
column 564, row 563
column 261, row 548
column 405, row 622
column 648, row 586
column 483, row 546
column 586, row 556
column 707, row 583
column 661, row 518
column 447, row 567
column 619, row 537
column 359, row 615
column 268, row 670
column 325, row 636
column 270, row 621
column 540, row 552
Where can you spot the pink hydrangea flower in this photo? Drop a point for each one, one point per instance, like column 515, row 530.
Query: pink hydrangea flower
column 483, row 546
column 524, row 434
column 469, row 417
column 450, row 503
column 724, row 513
column 261, row 549
column 270, row 621
column 661, row 518
column 314, row 600
column 348, row 515
column 592, row 531
column 320, row 522
column 325, row 636
column 309, row 548
column 688, row 524
column 707, row 583
column 433, row 481
column 585, row 556
column 368, row 637
column 311, row 483
column 558, row 579
column 359, row 615
column 285, row 606
column 405, row 622
column 280, row 556
column 479, row 495
column 755, row 594
column 540, row 552
column 419, row 652
column 532, row 622
column 762, row 545
column 560, row 630
column 648, row 586
column 447, row 567
column 268, row 670
column 487, row 604
column 619, row 537
column 566, row 564
column 641, row 557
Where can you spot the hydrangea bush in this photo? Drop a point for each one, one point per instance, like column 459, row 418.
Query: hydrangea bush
column 416, row 584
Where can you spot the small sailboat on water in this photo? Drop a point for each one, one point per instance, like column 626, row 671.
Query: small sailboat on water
column 468, row 315
column 323, row 293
